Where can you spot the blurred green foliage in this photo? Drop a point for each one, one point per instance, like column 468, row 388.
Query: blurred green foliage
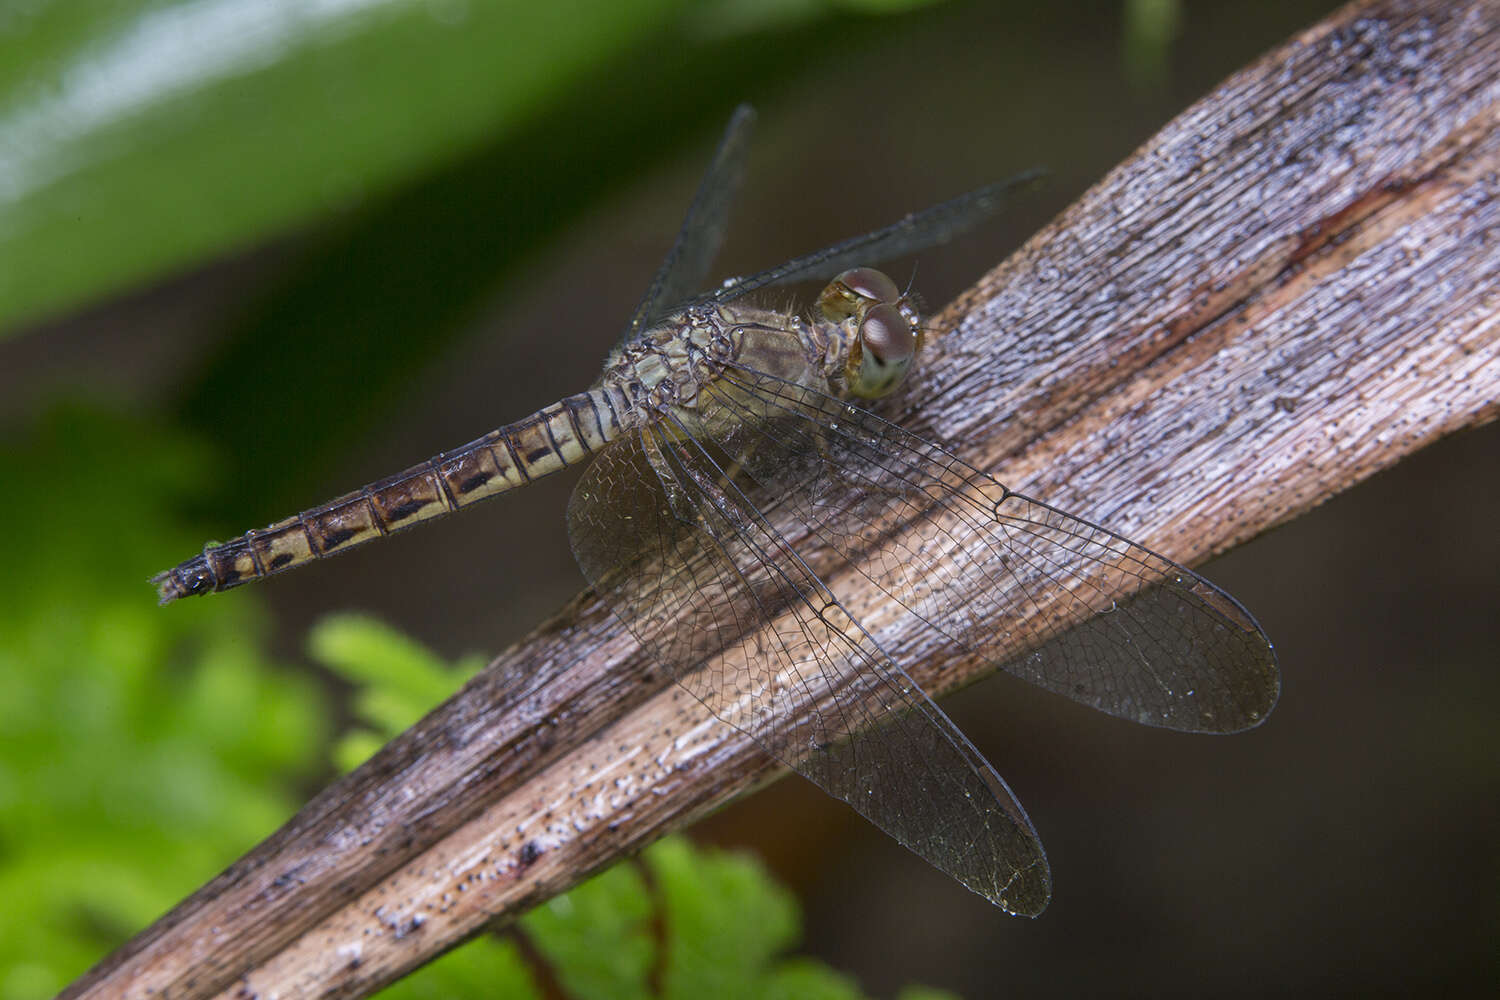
column 137, row 137
column 1150, row 28
column 142, row 751
column 395, row 680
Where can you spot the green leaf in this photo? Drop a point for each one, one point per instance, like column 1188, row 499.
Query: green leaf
column 485, row 967
column 396, row 680
column 727, row 920
column 136, row 137
column 803, row 979
column 598, row 938
column 925, row 993
column 703, row 923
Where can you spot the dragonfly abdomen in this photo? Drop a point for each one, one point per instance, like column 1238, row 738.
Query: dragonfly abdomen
column 553, row 438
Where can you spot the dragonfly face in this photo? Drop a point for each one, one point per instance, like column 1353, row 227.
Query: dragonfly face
column 722, row 435
column 887, row 331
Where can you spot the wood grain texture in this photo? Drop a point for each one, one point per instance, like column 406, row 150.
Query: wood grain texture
column 1290, row 287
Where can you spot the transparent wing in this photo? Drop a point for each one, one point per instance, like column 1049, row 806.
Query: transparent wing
column 915, row 232
column 684, row 271
column 1048, row 597
column 705, row 582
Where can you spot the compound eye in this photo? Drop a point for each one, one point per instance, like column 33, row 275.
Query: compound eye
column 855, row 289
column 887, row 334
column 879, row 359
column 869, row 283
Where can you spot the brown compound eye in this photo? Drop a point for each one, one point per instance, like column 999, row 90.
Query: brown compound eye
column 887, row 334
column 882, row 353
column 870, row 283
column 855, row 289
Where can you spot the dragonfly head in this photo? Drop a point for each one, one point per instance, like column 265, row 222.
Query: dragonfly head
column 887, row 334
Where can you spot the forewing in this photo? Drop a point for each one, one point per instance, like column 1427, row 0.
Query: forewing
column 712, row 589
column 1048, row 597
column 915, row 232
column 684, row 271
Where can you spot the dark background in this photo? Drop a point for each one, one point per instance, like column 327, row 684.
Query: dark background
column 1349, row 844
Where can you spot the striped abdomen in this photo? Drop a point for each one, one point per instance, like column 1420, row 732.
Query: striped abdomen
column 551, row 439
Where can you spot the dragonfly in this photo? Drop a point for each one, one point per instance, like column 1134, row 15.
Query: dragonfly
column 735, row 468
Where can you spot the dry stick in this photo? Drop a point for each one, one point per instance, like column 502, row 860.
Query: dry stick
column 1289, row 288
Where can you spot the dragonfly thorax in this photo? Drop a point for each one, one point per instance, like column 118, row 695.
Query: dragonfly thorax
column 667, row 367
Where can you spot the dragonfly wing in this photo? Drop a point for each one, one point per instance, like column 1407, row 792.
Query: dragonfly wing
column 918, row 231
column 714, row 590
column 684, row 271
column 1050, row 598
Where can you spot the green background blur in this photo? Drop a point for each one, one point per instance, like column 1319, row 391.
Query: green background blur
column 253, row 254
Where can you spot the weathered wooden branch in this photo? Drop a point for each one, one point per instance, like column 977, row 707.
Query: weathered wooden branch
column 1290, row 287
